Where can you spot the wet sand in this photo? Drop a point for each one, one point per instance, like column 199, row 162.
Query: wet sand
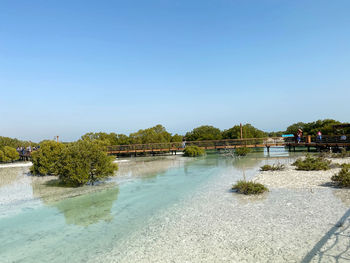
column 288, row 224
column 301, row 218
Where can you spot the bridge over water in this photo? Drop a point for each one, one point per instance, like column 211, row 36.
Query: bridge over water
column 327, row 142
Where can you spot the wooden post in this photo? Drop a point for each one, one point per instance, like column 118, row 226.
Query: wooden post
column 309, row 139
column 241, row 130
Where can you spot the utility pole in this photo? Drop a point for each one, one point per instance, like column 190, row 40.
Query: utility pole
column 241, row 130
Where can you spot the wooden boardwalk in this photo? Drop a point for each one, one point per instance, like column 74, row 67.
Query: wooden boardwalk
column 174, row 147
column 327, row 142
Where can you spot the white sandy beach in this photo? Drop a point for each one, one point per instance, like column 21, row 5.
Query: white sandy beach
column 296, row 221
column 17, row 164
column 292, row 178
column 291, row 223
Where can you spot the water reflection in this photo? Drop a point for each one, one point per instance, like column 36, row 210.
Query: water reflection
column 148, row 167
column 88, row 209
column 9, row 175
column 81, row 206
column 245, row 163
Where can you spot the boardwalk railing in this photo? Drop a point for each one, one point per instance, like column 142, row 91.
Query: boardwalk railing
column 212, row 144
column 325, row 139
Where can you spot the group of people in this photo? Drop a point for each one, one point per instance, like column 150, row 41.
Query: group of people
column 298, row 136
column 25, row 150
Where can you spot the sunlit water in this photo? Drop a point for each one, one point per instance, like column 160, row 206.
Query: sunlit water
column 35, row 228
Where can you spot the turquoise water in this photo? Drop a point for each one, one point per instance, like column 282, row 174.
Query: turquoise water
column 76, row 228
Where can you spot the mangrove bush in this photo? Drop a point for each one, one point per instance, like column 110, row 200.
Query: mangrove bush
column 274, row 167
column 249, row 131
column 311, row 163
column 84, row 162
column 203, row 133
column 193, row 151
column 242, row 151
column 342, row 178
column 8, row 154
column 46, row 158
column 249, row 188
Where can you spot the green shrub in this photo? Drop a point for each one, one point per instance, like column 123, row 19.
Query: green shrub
column 274, row 167
column 343, row 177
column 204, row 133
column 345, row 165
column 10, row 154
column 242, row 151
column 2, row 156
column 46, row 158
column 84, row 161
column 312, row 163
column 192, row 151
column 343, row 154
column 249, row 188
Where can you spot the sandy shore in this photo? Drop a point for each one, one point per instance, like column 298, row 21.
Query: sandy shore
column 301, row 218
column 288, row 224
column 14, row 165
column 292, row 178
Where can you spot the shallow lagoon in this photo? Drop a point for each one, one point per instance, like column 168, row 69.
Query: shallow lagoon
column 164, row 209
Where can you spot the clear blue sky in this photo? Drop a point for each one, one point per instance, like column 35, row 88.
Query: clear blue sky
column 70, row 67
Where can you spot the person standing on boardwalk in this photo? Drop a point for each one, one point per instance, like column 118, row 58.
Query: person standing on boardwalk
column 319, row 136
column 184, row 143
column 299, row 135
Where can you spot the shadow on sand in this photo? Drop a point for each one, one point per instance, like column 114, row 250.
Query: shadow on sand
column 334, row 246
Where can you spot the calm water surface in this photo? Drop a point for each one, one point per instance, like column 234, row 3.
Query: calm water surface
column 34, row 228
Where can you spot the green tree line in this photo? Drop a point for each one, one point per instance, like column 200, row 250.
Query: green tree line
column 158, row 134
column 8, row 152
column 311, row 128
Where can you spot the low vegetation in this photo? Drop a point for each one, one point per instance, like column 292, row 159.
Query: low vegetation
column 242, row 151
column 311, row 163
column 193, row 151
column 311, row 128
column 345, row 165
column 45, row 159
column 249, row 131
column 274, row 167
column 342, row 179
column 204, row 133
column 8, row 154
column 76, row 164
column 14, row 143
column 343, row 154
column 84, row 162
column 249, row 188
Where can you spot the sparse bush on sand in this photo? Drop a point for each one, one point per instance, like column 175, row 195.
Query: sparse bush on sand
column 249, row 188
column 274, row 167
column 312, row 164
column 342, row 178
